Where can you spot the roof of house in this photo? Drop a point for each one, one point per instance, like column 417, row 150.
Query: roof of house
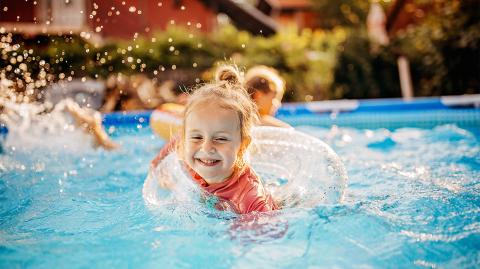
column 244, row 16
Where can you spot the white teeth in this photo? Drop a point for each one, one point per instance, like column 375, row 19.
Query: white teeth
column 207, row 161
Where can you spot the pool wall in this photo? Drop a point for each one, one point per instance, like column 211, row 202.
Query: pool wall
column 371, row 113
column 425, row 112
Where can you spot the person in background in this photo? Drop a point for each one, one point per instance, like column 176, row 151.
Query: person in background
column 266, row 88
column 91, row 122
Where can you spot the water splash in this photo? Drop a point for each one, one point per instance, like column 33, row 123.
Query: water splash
column 33, row 125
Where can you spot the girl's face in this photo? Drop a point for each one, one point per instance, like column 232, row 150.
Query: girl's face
column 212, row 141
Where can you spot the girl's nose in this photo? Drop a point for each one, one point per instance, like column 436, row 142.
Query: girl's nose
column 208, row 147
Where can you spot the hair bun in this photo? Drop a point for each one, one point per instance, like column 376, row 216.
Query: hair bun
column 229, row 74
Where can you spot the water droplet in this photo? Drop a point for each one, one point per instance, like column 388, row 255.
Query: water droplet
column 111, row 129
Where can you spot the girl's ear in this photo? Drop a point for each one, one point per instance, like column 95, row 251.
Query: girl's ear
column 256, row 95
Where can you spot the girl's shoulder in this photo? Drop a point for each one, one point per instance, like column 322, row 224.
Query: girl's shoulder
column 267, row 120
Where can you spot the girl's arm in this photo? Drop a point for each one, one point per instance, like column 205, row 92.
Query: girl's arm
column 163, row 180
column 91, row 122
column 267, row 120
column 164, row 151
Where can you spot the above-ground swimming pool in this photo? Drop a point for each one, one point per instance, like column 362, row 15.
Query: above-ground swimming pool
column 413, row 198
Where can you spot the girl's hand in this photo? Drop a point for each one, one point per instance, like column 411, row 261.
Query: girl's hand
column 162, row 177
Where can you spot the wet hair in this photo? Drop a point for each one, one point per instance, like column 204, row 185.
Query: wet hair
column 265, row 79
column 227, row 92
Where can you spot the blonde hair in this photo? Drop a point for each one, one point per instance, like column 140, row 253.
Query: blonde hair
column 265, row 79
column 228, row 92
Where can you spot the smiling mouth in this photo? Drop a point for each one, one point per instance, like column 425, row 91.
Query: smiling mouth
column 207, row 162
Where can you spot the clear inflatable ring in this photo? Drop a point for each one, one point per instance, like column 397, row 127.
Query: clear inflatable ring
column 298, row 169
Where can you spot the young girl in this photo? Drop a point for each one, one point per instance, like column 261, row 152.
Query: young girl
column 213, row 141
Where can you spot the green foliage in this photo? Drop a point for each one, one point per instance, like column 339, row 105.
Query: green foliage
column 305, row 59
column 341, row 13
column 362, row 73
column 443, row 51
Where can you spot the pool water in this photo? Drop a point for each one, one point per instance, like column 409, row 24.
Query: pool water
column 413, row 200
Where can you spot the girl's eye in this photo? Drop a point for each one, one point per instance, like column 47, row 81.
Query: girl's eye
column 221, row 139
column 196, row 138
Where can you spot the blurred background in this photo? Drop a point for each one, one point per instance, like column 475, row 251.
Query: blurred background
column 149, row 51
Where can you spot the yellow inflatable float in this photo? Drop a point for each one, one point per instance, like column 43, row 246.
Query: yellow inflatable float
column 166, row 120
